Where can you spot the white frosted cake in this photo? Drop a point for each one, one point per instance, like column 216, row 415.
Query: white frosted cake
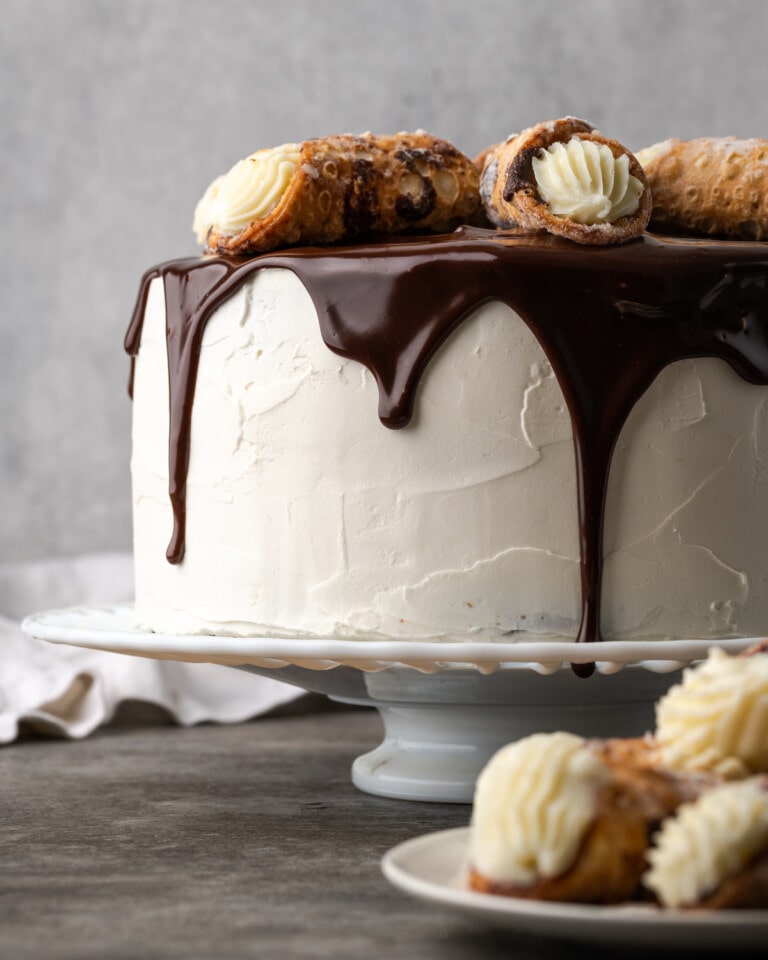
column 306, row 516
column 301, row 512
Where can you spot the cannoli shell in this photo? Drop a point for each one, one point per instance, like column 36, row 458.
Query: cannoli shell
column 511, row 198
column 716, row 186
column 345, row 186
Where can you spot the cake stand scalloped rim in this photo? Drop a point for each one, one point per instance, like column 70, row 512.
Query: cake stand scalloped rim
column 112, row 628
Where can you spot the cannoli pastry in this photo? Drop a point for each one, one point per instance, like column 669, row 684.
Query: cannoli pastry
column 336, row 188
column 714, row 852
column 716, row 718
column 557, row 817
column 713, row 185
column 565, row 177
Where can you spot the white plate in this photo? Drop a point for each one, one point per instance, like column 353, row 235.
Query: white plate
column 433, row 868
column 114, row 628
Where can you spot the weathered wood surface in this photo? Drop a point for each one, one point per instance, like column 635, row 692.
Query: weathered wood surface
column 218, row 842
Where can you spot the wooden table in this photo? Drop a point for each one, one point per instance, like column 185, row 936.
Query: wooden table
column 215, row 842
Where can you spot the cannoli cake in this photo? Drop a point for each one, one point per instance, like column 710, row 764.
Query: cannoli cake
column 405, row 395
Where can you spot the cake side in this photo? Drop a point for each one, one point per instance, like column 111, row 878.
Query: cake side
column 308, row 518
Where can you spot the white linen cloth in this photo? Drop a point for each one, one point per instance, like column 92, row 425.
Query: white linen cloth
column 68, row 691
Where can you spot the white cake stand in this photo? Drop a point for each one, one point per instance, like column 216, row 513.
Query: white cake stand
column 446, row 707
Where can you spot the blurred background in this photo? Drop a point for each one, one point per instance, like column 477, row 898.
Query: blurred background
column 116, row 114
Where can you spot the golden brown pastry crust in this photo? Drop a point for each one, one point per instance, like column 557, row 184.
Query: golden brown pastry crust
column 347, row 185
column 511, row 198
column 717, row 186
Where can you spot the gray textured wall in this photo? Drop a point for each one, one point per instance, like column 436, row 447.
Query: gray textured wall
column 115, row 115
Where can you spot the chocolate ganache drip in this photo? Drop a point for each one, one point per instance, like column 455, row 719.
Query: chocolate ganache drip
column 609, row 319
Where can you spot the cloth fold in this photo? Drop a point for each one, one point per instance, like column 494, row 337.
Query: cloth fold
column 68, row 691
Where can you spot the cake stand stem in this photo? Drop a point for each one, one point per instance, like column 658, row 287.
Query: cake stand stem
column 435, row 750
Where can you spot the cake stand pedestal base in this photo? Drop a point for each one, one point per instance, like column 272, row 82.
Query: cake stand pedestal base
column 441, row 729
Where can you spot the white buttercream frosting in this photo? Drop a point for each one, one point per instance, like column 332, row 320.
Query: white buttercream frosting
column 248, row 192
column 533, row 803
column 307, row 517
column 708, row 842
column 583, row 181
column 716, row 719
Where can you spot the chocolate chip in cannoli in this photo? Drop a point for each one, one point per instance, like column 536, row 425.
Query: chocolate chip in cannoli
column 338, row 188
column 713, row 186
column 565, row 177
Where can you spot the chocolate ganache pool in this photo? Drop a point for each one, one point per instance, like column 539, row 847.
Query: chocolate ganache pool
column 608, row 319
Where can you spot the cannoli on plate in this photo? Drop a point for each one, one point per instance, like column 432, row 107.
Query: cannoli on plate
column 713, row 185
column 557, row 817
column 565, row 177
column 337, row 188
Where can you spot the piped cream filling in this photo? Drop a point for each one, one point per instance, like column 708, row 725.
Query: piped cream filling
column 248, row 192
column 533, row 803
column 708, row 842
column 716, row 718
column 583, row 181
